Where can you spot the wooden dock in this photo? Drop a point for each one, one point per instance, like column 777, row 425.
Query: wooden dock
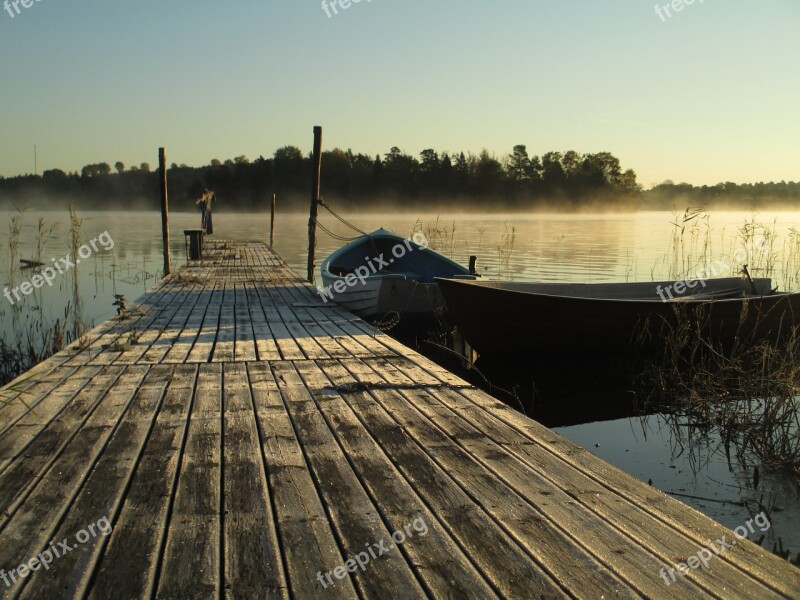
column 245, row 439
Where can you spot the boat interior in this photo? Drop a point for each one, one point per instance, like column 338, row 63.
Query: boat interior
column 667, row 291
column 380, row 254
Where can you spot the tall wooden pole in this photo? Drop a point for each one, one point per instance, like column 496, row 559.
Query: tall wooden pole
column 312, row 220
column 162, row 172
column 272, row 221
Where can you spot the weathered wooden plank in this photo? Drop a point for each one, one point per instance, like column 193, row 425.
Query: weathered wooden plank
column 483, row 434
column 356, row 519
column 26, row 469
column 570, row 564
column 266, row 347
column 118, row 331
column 503, row 562
column 310, row 346
column 204, row 345
column 182, row 345
column 111, row 473
column 327, row 319
column 443, row 566
column 330, row 344
column 23, row 535
column 29, row 390
column 172, row 324
column 637, row 559
column 138, row 336
column 749, row 560
column 192, row 562
column 129, row 565
column 42, row 400
column 226, row 328
column 245, row 349
column 307, row 541
column 286, row 343
column 253, row 562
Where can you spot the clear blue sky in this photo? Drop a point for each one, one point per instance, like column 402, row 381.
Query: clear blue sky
column 710, row 94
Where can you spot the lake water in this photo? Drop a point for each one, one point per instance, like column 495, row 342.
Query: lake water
column 537, row 247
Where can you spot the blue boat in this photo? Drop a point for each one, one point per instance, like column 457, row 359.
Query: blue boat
column 383, row 273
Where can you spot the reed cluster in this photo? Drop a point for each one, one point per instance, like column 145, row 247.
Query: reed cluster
column 29, row 337
column 748, row 390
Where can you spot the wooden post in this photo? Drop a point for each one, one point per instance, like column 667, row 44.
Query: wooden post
column 312, row 220
column 272, row 221
column 162, row 172
column 472, row 265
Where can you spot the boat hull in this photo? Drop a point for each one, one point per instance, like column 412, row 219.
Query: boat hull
column 381, row 274
column 500, row 321
column 378, row 297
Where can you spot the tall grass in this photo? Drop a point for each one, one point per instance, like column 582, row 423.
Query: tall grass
column 441, row 237
column 749, row 391
column 75, row 244
column 31, row 339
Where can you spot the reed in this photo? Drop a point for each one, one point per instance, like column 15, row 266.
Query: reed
column 748, row 392
column 505, row 250
column 44, row 232
column 75, row 244
column 440, row 236
column 15, row 229
column 31, row 338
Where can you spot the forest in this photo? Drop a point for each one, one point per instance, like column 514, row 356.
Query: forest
column 517, row 181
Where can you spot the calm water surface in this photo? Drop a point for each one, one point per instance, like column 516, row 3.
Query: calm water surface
column 552, row 247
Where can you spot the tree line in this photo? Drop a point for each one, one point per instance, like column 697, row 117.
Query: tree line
column 519, row 180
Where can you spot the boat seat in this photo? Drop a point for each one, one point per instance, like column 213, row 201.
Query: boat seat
column 398, row 275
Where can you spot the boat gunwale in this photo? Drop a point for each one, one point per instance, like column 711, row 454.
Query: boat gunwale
column 690, row 300
column 379, row 275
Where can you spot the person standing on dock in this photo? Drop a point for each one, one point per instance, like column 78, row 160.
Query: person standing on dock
column 204, row 201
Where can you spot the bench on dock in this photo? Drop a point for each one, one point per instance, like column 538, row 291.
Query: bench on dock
column 236, row 437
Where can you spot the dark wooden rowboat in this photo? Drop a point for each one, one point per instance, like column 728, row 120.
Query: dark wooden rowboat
column 504, row 318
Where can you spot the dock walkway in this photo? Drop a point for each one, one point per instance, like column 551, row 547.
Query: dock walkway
column 238, row 437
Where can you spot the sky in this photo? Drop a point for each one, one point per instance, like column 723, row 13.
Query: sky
column 706, row 94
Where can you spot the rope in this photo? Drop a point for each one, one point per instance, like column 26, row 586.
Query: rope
column 342, row 219
column 335, row 236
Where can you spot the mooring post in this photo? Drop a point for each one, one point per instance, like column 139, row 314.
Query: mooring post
column 162, row 172
column 272, row 221
column 312, row 220
column 473, row 264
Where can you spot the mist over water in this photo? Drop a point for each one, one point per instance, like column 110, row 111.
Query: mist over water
column 515, row 246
